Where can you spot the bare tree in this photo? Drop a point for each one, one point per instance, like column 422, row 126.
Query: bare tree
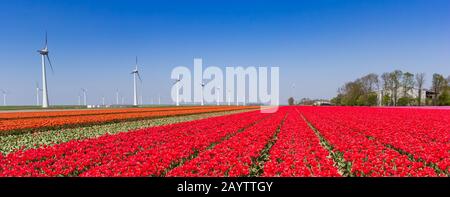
column 370, row 82
column 420, row 80
column 407, row 83
column 396, row 77
column 387, row 85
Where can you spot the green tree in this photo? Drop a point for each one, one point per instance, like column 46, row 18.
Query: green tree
column 444, row 98
column 291, row 101
column 386, row 100
column 404, row 101
column 438, row 84
column 337, row 100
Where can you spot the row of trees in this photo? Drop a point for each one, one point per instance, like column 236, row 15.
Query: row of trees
column 395, row 88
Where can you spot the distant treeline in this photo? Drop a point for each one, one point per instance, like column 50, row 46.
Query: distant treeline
column 395, row 88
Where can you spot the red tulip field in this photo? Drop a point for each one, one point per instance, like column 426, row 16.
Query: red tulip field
column 293, row 142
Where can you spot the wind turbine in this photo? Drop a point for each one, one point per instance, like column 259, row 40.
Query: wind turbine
column 37, row 94
column 217, row 94
column 203, row 85
column 237, row 99
column 293, row 90
column 4, row 92
column 84, row 95
column 135, row 73
column 79, row 99
column 176, row 88
column 228, row 97
column 103, row 100
column 44, row 53
column 159, row 99
column 117, row 96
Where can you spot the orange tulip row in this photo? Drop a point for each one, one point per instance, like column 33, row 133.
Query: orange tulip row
column 45, row 114
column 63, row 121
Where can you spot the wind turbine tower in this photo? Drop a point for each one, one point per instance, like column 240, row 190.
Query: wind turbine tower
column 178, row 91
column 84, row 95
column 44, row 54
column 203, row 85
column 4, row 96
column 38, row 102
column 136, row 75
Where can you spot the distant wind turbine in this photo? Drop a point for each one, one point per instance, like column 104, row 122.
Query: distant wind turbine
column 159, row 99
column 135, row 73
column 4, row 92
column 203, row 86
column 84, row 95
column 228, row 97
column 117, row 96
column 293, row 90
column 37, row 94
column 44, row 54
column 217, row 94
column 176, row 88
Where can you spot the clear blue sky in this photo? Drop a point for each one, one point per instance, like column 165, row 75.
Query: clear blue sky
column 317, row 44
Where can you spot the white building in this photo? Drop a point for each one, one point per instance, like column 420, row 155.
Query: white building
column 412, row 93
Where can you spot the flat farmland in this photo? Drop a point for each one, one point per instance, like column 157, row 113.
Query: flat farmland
column 295, row 141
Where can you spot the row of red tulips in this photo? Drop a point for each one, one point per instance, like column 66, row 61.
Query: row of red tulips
column 423, row 133
column 298, row 152
column 136, row 153
column 236, row 156
column 345, row 141
column 368, row 156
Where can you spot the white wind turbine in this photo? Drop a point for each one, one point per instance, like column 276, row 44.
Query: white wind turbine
column 178, row 93
column 228, row 97
column 203, row 85
column 117, row 96
column 44, row 53
column 136, row 75
column 38, row 89
column 84, row 95
column 217, row 95
column 159, row 99
column 4, row 92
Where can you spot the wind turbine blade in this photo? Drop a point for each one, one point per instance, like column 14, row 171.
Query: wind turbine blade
column 136, row 60
column 139, row 76
column 45, row 39
column 50, row 63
